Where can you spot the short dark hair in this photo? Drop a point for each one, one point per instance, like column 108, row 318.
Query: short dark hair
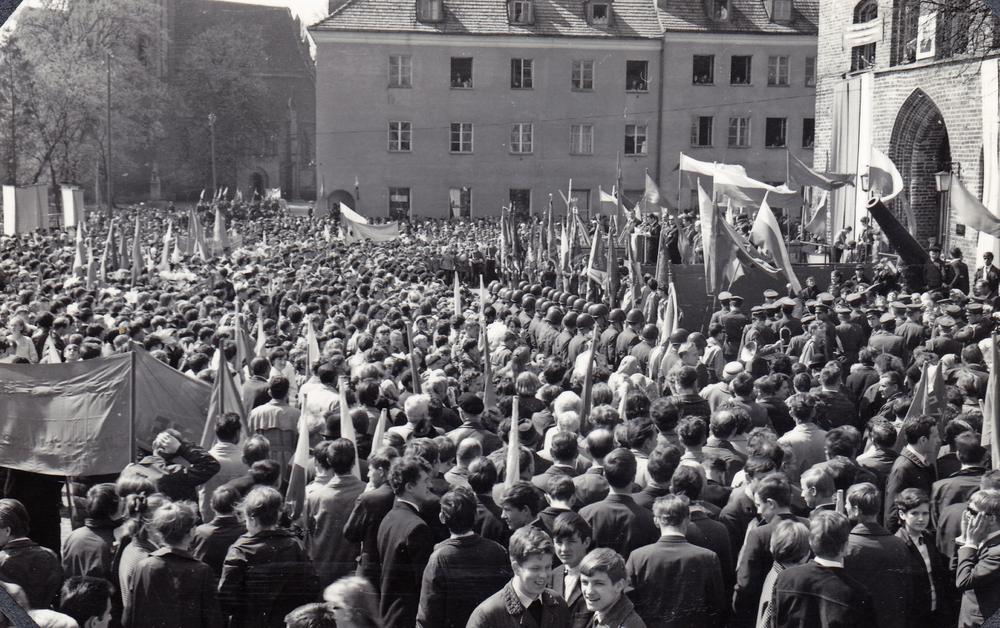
column 723, row 423
column 263, row 503
column 828, row 533
column 561, row 487
column 688, row 480
column 225, row 498
column 910, row 499
column 665, row 412
column 102, row 501
column 620, row 468
column 83, row 597
column 382, row 458
column 969, row 449
column 523, row 495
column 228, row 426
column 663, row 462
column 865, row 497
column 915, row 428
column 265, row 471
column 639, row 431
column 458, row 509
column 693, row 431
column 482, row 475
column 604, row 560
column 406, row 470
column 883, row 433
column 13, row 515
column 569, row 523
column 843, row 441
column 775, row 487
column 256, row 448
column 314, row 615
column 342, row 455
column 759, row 466
column 260, row 366
column 528, row 541
column 672, row 509
column 564, row 447
column 600, row 443
column 278, row 387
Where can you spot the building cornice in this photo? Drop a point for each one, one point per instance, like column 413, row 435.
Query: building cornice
column 481, row 41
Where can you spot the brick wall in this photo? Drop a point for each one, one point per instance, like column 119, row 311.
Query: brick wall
column 915, row 107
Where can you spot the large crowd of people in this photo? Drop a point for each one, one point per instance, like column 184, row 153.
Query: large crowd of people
column 781, row 467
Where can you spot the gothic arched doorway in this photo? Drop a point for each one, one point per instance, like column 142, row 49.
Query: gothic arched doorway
column 258, row 185
column 919, row 148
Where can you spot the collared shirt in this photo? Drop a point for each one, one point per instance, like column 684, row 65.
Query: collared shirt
column 918, row 540
column 570, row 580
column 919, row 456
column 829, row 563
column 409, row 503
column 524, row 599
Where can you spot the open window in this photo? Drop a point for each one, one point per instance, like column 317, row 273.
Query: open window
column 598, row 12
column 461, row 72
column 521, row 12
column 637, row 76
column 739, row 70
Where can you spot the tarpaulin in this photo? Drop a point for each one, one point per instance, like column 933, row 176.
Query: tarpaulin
column 80, row 418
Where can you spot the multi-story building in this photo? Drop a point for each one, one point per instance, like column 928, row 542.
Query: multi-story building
column 459, row 107
column 917, row 81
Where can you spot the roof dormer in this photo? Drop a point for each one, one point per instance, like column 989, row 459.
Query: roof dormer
column 718, row 10
column 430, row 11
column 599, row 12
column 779, row 11
column 521, row 12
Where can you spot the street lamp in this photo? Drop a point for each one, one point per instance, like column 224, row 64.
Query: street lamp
column 942, row 180
column 211, row 129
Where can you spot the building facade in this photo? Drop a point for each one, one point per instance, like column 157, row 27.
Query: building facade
column 918, row 82
column 448, row 108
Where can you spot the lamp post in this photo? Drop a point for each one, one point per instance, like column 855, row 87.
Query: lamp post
column 108, row 165
column 211, row 130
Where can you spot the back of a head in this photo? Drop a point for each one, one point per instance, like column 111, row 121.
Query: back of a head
column 671, row 510
column 663, row 462
column 866, row 498
column 13, row 515
column 406, row 470
column 260, row 366
column 468, row 450
column 775, row 487
column 263, row 504
column 341, row 454
column 693, row 431
column 256, row 448
column 828, row 534
column 969, row 449
column 521, row 495
column 482, row 475
column 742, row 384
column 620, row 468
column 172, row 521
column 665, row 413
column 600, row 443
column 843, row 441
column 562, row 488
column 883, row 433
column 564, row 447
column 790, row 542
column 102, row 501
column 228, row 426
column 85, row 597
column 265, row 472
column 278, row 387
column 688, row 480
column 225, row 499
column 313, row 615
column 915, row 428
column 356, row 595
column 458, row 510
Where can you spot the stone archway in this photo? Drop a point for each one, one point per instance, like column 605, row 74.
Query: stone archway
column 919, row 148
column 258, row 184
column 335, row 198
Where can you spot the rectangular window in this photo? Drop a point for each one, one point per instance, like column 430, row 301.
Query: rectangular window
column 430, row 10
column 775, row 132
column 520, row 74
column 400, row 71
column 461, row 137
column 782, row 11
column 739, row 70
column 635, row 139
column 461, row 72
column 520, row 202
column 637, row 76
column 704, row 70
column 583, row 75
column 581, row 200
column 739, row 132
column 520, row 138
column 581, row 139
column 701, row 131
column 460, row 200
column 601, row 13
column 777, row 71
column 720, row 10
column 862, row 57
column 399, row 137
column 808, row 132
column 520, row 12
column 399, row 203
column 810, row 71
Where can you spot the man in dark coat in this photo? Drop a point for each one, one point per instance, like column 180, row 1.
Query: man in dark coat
column 617, row 521
column 369, row 511
column 914, row 466
column 526, row 601
column 878, row 559
column 960, row 486
column 695, row 596
column 405, row 543
column 958, row 272
column 463, row 571
column 255, row 390
column 212, row 540
column 820, row 592
column 175, row 480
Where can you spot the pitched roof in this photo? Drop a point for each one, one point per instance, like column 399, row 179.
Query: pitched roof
column 746, row 16
column 553, row 18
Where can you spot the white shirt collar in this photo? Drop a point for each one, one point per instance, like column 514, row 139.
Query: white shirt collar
column 524, row 599
column 917, row 454
column 829, row 563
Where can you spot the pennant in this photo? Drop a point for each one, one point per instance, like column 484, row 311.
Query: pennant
column 380, row 428
column 605, row 197
column 663, row 258
column 176, row 257
column 123, row 260
column 817, row 224
column 244, row 346
column 706, row 169
column 883, row 176
column 766, row 235
column 588, row 378
column 991, row 405
column 349, row 214
column 669, row 315
column 91, row 266
column 137, row 260
column 225, row 397
column 312, row 347
column 165, row 256
column 258, row 349
column 347, row 427
column 652, row 194
column 801, row 174
column 220, row 239
column 970, row 211
column 110, row 255
column 513, row 447
column 597, row 263
column 709, row 238
column 550, row 246
column 489, row 394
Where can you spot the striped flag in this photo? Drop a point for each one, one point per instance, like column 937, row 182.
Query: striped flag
column 883, row 175
column 970, row 211
column 225, row 397
column 347, row 427
column 766, row 235
column 296, row 493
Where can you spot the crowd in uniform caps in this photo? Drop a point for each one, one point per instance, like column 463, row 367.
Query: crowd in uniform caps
column 765, row 471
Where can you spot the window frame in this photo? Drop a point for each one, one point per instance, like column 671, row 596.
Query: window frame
column 810, row 72
column 696, row 131
column 774, row 71
column 522, row 74
column 635, row 135
column 812, row 144
column 748, row 70
column 577, row 134
column 472, row 82
column 517, row 142
column 642, row 75
column 606, row 20
column 400, row 132
column 461, row 138
column 409, row 199
column 585, row 65
column 783, row 122
column 396, row 74
column 743, row 125
column 711, row 69
column 527, row 12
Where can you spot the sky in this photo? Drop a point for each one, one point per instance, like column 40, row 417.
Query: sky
column 309, row 11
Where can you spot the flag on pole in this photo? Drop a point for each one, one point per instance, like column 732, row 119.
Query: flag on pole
column 91, row 266
column 258, row 349
column 801, row 174
column 165, row 255
column 817, row 224
column 220, row 239
column 123, row 260
column 296, row 493
column 380, row 427
column 312, row 347
column 81, row 253
column 414, row 372
column 652, row 195
column 225, row 397
column 350, row 214
column 137, row 263
column 347, row 427
column 709, row 235
column 489, row 394
column 550, row 245
column 588, row 377
column 971, row 212
column 670, row 314
column 457, row 299
column 50, row 354
column 513, row 447
column 110, row 255
column 766, row 235
column 991, row 405
column 614, row 276
column 883, row 175
column 597, row 263
column 244, row 346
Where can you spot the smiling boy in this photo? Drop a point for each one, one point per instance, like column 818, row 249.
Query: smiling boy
column 602, row 576
column 526, row 601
